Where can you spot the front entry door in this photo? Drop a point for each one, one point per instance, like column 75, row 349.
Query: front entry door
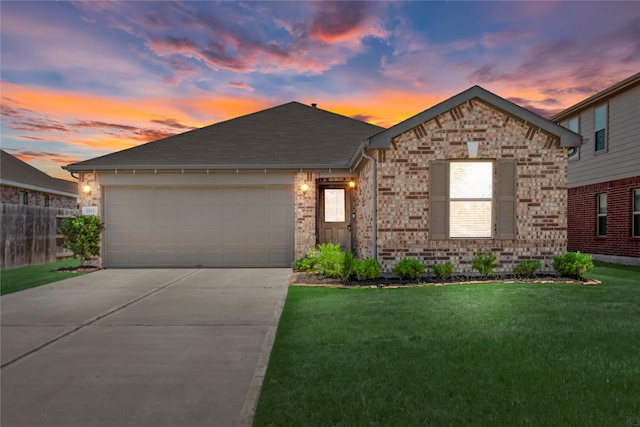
column 334, row 217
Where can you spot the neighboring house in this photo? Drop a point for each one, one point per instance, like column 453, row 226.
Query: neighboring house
column 33, row 206
column 604, row 173
column 22, row 184
column 263, row 189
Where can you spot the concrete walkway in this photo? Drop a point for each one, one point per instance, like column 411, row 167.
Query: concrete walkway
column 174, row 347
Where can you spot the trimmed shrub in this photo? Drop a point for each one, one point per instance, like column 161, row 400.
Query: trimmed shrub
column 307, row 262
column 330, row 260
column 82, row 236
column 573, row 265
column 409, row 268
column 526, row 269
column 368, row 269
column 484, row 263
column 444, row 270
column 349, row 263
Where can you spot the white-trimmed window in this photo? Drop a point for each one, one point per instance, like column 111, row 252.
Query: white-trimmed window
column 600, row 128
column 636, row 213
column 574, row 125
column 470, row 199
column 24, row 198
column 602, row 215
column 334, row 200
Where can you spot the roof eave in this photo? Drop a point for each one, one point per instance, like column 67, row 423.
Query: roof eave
column 208, row 168
column 598, row 97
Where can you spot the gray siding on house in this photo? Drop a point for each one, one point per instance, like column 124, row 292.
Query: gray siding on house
column 622, row 157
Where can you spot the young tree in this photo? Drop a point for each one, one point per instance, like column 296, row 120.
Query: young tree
column 82, row 236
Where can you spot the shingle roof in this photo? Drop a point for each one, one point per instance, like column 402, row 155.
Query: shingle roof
column 567, row 137
column 289, row 136
column 16, row 173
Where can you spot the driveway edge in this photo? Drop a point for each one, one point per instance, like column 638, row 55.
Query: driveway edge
column 251, row 400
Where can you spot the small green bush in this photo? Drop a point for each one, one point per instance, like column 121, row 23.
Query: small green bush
column 349, row 263
column 307, row 262
column 82, row 236
column 368, row 269
column 484, row 263
column 409, row 268
column 330, row 260
column 444, row 270
column 573, row 264
column 526, row 269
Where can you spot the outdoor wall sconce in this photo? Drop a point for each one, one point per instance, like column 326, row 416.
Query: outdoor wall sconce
column 472, row 146
column 304, row 187
column 86, row 189
column 352, row 184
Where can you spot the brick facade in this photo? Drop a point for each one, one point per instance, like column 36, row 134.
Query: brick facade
column 363, row 207
column 583, row 218
column 11, row 195
column 403, row 189
column 305, row 213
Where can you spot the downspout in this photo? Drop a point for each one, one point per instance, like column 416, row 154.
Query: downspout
column 374, row 213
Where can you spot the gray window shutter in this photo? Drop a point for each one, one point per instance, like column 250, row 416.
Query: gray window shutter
column 438, row 206
column 506, row 203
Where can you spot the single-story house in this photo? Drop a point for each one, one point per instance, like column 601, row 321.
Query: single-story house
column 473, row 173
column 22, row 184
column 33, row 205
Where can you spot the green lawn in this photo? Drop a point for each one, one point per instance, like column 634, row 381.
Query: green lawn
column 468, row 355
column 18, row 279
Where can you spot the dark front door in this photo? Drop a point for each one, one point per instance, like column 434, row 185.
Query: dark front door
column 334, row 217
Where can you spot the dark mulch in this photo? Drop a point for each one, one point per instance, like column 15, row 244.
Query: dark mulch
column 304, row 278
column 79, row 269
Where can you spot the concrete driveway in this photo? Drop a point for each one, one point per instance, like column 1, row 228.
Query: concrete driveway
column 170, row 347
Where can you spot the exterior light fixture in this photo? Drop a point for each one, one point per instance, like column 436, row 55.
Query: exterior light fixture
column 86, row 189
column 472, row 146
column 352, row 184
column 304, row 187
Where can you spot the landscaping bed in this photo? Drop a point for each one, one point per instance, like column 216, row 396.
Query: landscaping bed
column 301, row 278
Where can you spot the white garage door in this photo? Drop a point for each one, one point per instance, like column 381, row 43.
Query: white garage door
column 193, row 227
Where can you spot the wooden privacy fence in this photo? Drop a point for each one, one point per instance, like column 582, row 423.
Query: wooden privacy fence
column 30, row 235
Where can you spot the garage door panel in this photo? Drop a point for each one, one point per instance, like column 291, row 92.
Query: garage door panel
column 191, row 227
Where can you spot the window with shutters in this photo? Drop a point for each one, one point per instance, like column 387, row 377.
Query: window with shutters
column 472, row 200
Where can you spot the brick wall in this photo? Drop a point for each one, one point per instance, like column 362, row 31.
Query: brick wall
column 403, row 189
column 11, row 195
column 363, row 207
column 583, row 219
column 305, row 213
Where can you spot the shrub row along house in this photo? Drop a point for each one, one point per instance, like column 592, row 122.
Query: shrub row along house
column 473, row 173
column 604, row 173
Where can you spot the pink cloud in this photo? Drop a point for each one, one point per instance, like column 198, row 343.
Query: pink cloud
column 241, row 85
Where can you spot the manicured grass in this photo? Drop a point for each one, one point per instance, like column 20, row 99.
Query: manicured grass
column 467, row 355
column 18, row 279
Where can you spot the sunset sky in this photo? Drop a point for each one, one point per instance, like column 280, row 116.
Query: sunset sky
column 83, row 79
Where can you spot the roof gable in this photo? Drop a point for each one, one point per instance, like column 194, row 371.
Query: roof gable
column 16, row 173
column 288, row 136
column 567, row 138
